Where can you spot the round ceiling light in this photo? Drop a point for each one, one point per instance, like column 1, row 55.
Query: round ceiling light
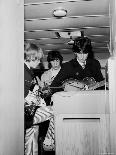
column 60, row 12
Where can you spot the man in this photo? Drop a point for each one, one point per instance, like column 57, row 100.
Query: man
column 54, row 59
column 34, row 104
column 32, row 57
column 82, row 66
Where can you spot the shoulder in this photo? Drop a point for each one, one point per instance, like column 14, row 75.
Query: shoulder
column 97, row 62
column 94, row 62
column 26, row 68
column 68, row 63
column 45, row 74
column 27, row 73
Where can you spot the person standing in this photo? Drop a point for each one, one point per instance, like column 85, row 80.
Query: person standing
column 33, row 103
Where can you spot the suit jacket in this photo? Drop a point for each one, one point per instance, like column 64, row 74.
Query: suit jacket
column 48, row 79
column 73, row 69
column 28, row 77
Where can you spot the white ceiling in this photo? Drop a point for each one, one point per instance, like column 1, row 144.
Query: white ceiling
column 90, row 16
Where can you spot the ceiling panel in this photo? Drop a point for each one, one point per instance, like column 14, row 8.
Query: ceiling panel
column 74, row 8
column 67, row 23
column 90, row 16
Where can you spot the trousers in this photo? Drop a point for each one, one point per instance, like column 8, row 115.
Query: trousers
column 31, row 136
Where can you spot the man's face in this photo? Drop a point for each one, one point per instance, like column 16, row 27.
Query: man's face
column 34, row 58
column 81, row 56
column 40, row 54
column 55, row 64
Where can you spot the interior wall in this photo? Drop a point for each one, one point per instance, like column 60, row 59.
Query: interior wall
column 112, row 12
column 112, row 77
column 11, row 77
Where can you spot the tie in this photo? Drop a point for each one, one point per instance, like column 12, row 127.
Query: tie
column 83, row 65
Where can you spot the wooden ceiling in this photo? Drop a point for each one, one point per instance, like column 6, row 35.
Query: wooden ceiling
column 90, row 16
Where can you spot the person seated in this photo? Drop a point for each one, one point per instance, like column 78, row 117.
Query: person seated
column 79, row 73
column 83, row 67
column 36, row 110
column 54, row 59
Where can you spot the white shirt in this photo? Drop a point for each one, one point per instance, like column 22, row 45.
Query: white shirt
column 82, row 64
column 49, row 75
column 27, row 64
column 54, row 72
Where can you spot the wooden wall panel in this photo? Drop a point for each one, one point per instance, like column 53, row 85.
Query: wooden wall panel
column 81, row 134
column 82, row 123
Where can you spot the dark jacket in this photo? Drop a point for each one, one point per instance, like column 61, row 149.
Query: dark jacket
column 28, row 77
column 73, row 69
column 28, row 85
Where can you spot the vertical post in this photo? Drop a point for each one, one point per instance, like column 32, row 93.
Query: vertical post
column 112, row 102
column 112, row 13
column 11, row 77
column 112, row 77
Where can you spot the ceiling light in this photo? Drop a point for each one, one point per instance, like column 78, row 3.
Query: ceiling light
column 60, row 12
column 71, row 42
column 70, row 35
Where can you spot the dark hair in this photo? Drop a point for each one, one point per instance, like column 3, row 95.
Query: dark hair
column 83, row 45
column 54, row 55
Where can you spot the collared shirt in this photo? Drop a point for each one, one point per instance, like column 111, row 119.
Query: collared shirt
column 49, row 76
column 82, row 63
column 27, row 64
column 54, row 72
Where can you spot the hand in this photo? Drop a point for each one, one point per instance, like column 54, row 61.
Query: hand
column 46, row 91
column 35, row 89
column 34, row 81
column 30, row 98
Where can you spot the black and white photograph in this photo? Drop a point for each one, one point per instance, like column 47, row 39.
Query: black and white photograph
column 58, row 77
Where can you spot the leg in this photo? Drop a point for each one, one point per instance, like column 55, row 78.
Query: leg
column 49, row 142
column 43, row 114
column 31, row 141
column 31, row 137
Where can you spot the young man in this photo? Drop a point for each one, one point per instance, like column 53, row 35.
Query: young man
column 32, row 56
column 82, row 66
column 41, row 113
column 54, row 59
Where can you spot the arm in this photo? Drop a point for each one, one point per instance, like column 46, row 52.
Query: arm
column 46, row 78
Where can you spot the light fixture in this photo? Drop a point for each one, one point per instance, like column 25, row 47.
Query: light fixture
column 70, row 35
column 59, row 13
column 71, row 42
